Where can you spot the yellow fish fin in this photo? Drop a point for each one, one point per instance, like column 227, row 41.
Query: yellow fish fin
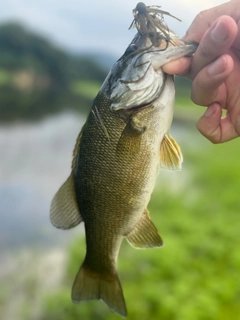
column 76, row 147
column 64, row 212
column 145, row 234
column 91, row 285
column 170, row 154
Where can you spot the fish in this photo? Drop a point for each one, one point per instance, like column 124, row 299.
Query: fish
column 117, row 156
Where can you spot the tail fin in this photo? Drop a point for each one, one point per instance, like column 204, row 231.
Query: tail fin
column 90, row 285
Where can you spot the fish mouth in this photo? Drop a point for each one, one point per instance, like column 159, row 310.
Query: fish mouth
column 142, row 80
column 137, row 79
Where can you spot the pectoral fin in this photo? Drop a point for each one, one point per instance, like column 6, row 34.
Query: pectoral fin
column 145, row 234
column 64, row 212
column 170, row 154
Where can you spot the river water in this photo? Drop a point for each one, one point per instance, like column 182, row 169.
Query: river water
column 35, row 160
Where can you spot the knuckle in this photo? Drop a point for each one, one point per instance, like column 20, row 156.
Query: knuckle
column 211, row 136
column 200, row 17
column 213, row 140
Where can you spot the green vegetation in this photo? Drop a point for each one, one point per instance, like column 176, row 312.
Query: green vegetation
column 37, row 79
column 88, row 89
column 196, row 274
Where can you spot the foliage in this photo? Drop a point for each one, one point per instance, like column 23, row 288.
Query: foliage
column 88, row 89
column 36, row 78
column 196, row 274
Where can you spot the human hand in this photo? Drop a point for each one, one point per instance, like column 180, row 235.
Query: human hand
column 215, row 70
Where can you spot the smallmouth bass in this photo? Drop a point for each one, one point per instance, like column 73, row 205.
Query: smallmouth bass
column 117, row 156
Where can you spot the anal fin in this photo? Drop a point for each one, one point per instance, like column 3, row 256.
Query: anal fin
column 64, row 212
column 145, row 234
column 170, row 154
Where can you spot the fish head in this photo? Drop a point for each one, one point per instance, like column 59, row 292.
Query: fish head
column 137, row 78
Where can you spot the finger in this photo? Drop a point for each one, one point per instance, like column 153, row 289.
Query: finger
column 214, row 127
column 206, row 18
column 207, row 86
column 180, row 66
column 215, row 42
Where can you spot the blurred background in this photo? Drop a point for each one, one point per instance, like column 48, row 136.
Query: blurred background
column 54, row 55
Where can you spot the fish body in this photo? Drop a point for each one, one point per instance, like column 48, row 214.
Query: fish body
column 116, row 160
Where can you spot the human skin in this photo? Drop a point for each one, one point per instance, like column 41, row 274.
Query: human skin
column 215, row 70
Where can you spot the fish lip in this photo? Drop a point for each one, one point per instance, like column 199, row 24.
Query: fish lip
column 185, row 45
column 191, row 43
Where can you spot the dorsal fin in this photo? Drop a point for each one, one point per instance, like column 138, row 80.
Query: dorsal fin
column 144, row 234
column 170, row 154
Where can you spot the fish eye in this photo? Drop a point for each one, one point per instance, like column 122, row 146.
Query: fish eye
column 130, row 49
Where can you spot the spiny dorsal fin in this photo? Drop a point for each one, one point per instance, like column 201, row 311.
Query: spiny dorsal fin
column 145, row 234
column 64, row 212
column 170, row 154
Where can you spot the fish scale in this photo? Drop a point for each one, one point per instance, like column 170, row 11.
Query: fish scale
column 117, row 156
column 113, row 167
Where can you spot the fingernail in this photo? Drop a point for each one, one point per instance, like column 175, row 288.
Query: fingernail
column 216, row 67
column 210, row 111
column 219, row 33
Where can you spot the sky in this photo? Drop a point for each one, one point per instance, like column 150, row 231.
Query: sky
column 94, row 25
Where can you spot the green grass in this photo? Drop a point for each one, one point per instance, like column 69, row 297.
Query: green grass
column 86, row 89
column 5, row 77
